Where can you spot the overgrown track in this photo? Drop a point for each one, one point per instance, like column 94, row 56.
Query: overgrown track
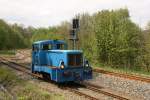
column 94, row 88
column 10, row 61
column 132, row 77
column 18, row 67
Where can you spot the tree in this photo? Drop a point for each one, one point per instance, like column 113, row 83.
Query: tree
column 45, row 34
column 118, row 38
column 9, row 37
column 87, row 39
column 146, row 48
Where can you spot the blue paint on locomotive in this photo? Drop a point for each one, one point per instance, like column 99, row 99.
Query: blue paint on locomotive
column 51, row 57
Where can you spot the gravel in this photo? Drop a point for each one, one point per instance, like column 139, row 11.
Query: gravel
column 55, row 89
column 97, row 95
column 138, row 89
column 23, row 57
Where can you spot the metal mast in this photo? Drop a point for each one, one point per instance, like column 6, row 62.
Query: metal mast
column 73, row 32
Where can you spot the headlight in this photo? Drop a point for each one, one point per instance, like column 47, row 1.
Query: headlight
column 86, row 65
column 62, row 66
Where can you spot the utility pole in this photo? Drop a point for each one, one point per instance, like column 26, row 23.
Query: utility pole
column 73, row 32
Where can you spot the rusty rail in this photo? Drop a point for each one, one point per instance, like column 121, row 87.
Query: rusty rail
column 100, row 89
column 18, row 67
column 24, row 69
column 82, row 94
column 127, row 76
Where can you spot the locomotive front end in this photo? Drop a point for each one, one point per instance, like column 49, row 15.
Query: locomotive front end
column 76, row 61
column 71, row 66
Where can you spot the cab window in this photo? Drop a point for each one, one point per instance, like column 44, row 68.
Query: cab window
column 60, row 46
column 47, row 47
column 35, row 47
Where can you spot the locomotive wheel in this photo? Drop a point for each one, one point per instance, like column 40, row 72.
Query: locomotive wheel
column 46, row 76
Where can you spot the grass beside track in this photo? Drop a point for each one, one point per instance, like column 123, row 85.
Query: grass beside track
column 7, row 53
column 12, row 86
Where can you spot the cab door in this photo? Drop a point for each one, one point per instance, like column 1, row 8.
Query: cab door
column 43, row 54
column 35, row 54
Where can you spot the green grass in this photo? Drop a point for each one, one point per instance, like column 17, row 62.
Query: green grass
column 32, row 92
column 22, row 89
column 7, row 52
column 7, row 76
column 8, row 80
column 134, row 71
column 4, row 96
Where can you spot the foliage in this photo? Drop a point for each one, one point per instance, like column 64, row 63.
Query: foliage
column 45, row 34
column 24, row 33
column 87, row 39
column 146, row 48
column 7, row 52
column 7, row 78
column 64, row 29
column 7, row 81
column 32, row 92
column 119, row 39
column 9, row 37
column 20, row 89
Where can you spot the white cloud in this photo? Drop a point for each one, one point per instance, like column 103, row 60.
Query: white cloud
column 51, row 12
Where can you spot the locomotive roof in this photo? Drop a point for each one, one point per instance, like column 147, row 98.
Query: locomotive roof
column 66, row 51
column 49, row 42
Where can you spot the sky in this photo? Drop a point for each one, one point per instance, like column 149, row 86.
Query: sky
column 44, row 13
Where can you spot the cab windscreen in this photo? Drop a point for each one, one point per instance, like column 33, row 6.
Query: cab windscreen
column 75, row 60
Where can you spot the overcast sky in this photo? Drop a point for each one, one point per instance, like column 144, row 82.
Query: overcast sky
column 44, row 13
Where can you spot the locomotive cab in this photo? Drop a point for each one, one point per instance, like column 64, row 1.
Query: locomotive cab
column 41, row 48
column 52, row 58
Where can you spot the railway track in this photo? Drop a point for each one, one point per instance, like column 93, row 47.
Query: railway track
column 18, row 67
column 100, row 89
column 82, row 94
column 94, row 88
column 127, row 76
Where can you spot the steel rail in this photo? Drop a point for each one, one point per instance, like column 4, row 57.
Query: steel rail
column 92, row 87
column 82, row 94
column 16, row 67
column 100, row 89
column 127, row 76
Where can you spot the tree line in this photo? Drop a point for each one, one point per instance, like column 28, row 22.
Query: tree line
column 107, row 37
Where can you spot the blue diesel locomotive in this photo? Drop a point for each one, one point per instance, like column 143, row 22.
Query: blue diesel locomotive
column 52, row 59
